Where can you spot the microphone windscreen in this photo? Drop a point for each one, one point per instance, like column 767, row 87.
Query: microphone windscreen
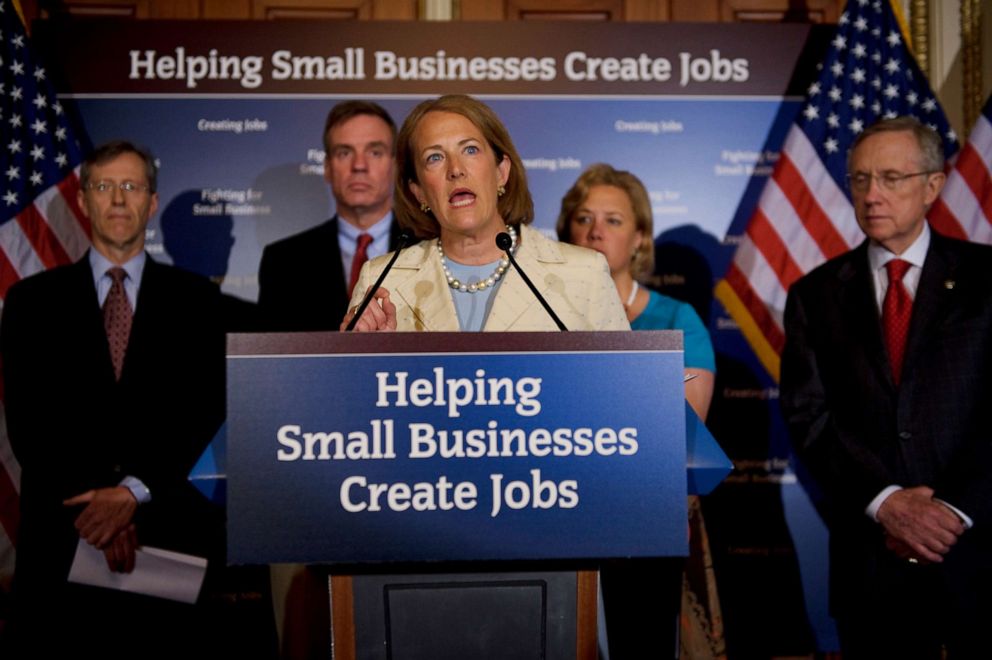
column 503, row 241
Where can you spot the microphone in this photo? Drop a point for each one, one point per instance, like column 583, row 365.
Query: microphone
column 402, row 241
column 504, row 243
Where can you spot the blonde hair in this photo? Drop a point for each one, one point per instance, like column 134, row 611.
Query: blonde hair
column 601, row 174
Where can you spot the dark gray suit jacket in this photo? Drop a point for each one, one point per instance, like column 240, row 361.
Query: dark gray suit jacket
column 857, row 433
column 301, row 282
column 73, row 427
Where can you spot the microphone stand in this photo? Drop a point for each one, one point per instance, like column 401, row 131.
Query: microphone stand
column 404, row 238
column 504, row 243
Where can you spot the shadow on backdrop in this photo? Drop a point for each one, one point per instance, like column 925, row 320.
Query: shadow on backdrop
column 202, row 244
column 757, row 571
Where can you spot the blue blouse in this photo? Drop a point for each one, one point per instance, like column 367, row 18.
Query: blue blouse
column 664, row 313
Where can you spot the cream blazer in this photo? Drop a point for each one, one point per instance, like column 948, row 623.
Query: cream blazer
column 575, row 281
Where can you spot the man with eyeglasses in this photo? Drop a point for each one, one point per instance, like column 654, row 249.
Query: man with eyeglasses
column 887, row 391
column 113, row 374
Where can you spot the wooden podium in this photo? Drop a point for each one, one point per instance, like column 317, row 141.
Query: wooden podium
column 460, row 487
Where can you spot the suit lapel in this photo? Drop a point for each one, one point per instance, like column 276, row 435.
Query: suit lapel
column 514, row 299
column 934, row 298
column 144, row 313
column 859, row 311
column 333, row 271
column 394, row 234
column 424, row 288
column 88, row 310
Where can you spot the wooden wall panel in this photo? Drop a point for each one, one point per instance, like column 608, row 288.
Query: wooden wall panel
column 107, row 8
column 335, row 9
column 234, row 9
column 817, row 11
column 226, row 9
column 580, row 10
column 713, row 11
column 774, row 11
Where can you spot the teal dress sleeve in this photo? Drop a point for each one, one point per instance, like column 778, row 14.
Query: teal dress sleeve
column 664, row 313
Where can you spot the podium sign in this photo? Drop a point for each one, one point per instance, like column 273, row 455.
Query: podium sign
column 433, row 447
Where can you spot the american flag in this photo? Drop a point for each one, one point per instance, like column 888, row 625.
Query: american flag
column 964, row 209
column 40, row 223
column 804, row 215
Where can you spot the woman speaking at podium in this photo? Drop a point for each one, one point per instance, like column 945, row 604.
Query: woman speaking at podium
column 460, row 183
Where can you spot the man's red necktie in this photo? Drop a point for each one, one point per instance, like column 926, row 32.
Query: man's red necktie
column 897, row 308
column 361, row 256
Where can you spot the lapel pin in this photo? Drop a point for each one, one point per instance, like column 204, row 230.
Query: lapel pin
column 949, row 284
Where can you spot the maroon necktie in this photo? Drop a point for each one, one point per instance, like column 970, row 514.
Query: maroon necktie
column 361, row 256
column 117, row 319
column 896, row 311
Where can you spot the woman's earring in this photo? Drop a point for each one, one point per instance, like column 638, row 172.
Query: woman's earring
column 424, row 207
column 500, row 191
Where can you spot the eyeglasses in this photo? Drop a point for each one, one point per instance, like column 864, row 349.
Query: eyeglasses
column 126, row 187
column 891, row 181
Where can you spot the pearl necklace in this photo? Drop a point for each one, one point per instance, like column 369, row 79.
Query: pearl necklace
column 487, row 283
column 633, row 293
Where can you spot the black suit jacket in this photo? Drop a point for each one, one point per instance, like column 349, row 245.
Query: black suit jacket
column 73, row 427
column 301, row 282
column 857, row 432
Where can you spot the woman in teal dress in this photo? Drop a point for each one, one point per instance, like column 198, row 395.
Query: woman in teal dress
column 609, row 211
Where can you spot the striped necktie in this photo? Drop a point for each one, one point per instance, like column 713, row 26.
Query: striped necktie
column 117, row 317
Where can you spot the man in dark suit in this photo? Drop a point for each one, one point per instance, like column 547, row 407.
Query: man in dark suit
column 887, row 391
column 113, row 373
column 305, row 280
